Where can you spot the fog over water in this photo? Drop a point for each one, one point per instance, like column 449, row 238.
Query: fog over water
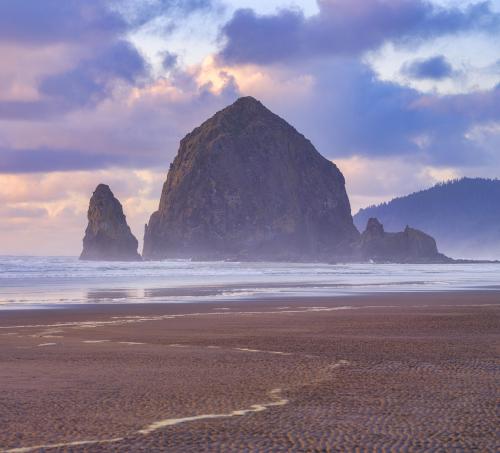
column 46, row 281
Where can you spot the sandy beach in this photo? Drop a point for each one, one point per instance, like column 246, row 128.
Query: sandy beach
column 395, row 372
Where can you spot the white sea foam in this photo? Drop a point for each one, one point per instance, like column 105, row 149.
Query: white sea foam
column 276, row 400
column 338, row 364
column 47, row 281
column 262, row 351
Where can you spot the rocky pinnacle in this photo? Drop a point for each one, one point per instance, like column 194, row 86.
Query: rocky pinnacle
column 108, row 237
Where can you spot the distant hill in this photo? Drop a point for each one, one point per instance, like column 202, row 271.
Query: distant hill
column 462, row 215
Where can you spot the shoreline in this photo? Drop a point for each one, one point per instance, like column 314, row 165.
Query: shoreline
column 356, row 296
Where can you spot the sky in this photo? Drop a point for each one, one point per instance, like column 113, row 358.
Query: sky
column 400, row 94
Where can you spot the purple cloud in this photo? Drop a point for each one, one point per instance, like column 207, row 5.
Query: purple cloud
column 263, row 39
column 27, row 213
column 92, row 79
column 85, row 85
column 40, row 22
column 144, row 134
column 352, row 112
column 348, row 111
column 345, row 28
column 36, row 22
column 433, row 68
column 169, row 60
column 45, row 160
column 31, row 110
column 96, row 34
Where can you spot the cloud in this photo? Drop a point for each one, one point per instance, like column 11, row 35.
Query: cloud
column 352, row 112
column 91, row 39
column 93, row 78
column 345, row 28
column 44, row 214
column 346, row 110
column 24, row 213
column 433, row 68
column 46, row 160
column 140, row 12
column 140, row 128
column 38, row 23
column 53, row 189
column 31, row 110
column 169, row 60
column 84, row 85
column 371, row 180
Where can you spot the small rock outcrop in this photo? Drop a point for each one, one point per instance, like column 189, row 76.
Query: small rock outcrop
column 108, row 237
column 246, row 185
column 408, row 246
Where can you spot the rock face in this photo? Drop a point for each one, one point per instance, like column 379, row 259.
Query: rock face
column 408, row 246
column 462, row 215
column 108, row 237
column 246, row 185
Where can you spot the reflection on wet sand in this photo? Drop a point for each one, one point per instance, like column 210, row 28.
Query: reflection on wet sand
column 112, row 295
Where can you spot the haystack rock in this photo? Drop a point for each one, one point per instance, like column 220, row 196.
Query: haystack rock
column 246, row 185
column 408, row 246
column 108, row 237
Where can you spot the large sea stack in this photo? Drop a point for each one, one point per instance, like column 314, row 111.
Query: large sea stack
column 108, row 237
column 246, row 185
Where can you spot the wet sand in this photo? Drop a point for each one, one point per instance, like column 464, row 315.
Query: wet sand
column 389, row 372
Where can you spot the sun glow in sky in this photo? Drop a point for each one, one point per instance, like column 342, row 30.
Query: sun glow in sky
column 400, row 94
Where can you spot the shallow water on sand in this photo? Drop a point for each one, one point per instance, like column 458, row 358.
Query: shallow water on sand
column 46, row 281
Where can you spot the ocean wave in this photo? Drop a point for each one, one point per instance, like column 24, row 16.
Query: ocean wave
column 66, row 280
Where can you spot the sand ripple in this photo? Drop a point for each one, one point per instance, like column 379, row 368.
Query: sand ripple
column 78, row 443
column 276, row 400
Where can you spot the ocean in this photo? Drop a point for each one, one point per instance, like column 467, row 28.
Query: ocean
column 27, row 282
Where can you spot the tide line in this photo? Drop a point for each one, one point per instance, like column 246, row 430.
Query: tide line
column 123, row 320
column 277, row 400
